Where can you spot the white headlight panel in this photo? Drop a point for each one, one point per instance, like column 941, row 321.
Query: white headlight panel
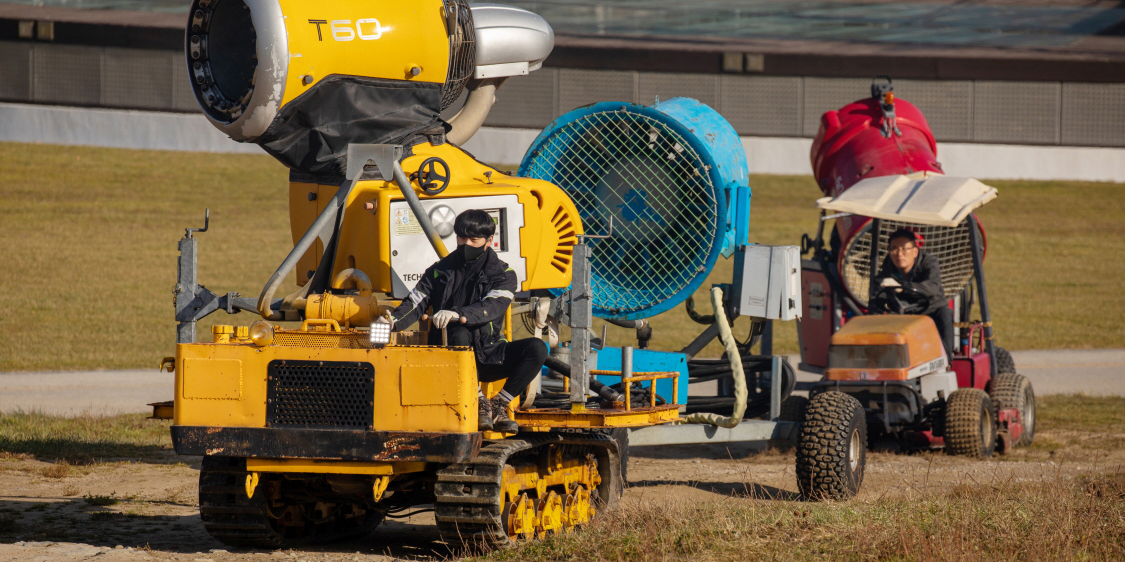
column 380, row 333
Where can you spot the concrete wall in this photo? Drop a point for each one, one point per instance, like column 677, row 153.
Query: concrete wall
column 978, row 111
column 118, row 128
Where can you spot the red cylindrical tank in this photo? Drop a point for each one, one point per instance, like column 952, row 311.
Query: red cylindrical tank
column 851, row 145
column 861, row 140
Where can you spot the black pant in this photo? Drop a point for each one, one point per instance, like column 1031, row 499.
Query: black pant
column 523, row 360
column 943, row 318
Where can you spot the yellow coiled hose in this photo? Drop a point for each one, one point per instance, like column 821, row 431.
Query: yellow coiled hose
column 735, row 357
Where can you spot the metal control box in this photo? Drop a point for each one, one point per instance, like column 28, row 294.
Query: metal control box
column 410, row 249
column 767, row 281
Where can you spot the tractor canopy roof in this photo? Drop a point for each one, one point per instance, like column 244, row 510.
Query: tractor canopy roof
column 924, row 198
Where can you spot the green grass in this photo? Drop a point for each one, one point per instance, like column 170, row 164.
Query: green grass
column 82, row 440
column 90, row 240
column 1078, row 412
column 89, row 260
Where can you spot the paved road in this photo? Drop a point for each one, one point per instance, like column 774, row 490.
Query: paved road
column 77, row 392
column 1097, row 372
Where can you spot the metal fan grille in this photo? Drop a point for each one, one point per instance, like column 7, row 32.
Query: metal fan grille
column 656, row 188
column 950, row 245
column 462, row 52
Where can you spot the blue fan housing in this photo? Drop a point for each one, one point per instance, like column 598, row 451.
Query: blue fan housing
column 674, row 178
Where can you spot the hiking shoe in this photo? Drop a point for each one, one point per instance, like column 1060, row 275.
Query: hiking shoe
column 500, row 420
column 484, row 414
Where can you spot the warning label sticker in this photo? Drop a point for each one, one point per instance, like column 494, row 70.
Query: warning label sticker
column 405, row 223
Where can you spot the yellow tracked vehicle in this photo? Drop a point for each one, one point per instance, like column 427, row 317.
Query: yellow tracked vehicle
column 323, row 431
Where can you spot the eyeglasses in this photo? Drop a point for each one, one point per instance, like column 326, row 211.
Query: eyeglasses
column 904, row 250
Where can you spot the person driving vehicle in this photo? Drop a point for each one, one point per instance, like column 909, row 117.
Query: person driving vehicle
column 910, row 283
column 468, row 292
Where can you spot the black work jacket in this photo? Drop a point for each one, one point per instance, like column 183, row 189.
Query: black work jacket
column 921, row 286
column 488, row 295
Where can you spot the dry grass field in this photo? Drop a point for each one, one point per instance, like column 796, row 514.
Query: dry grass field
column 70, row 486
column 88, row 253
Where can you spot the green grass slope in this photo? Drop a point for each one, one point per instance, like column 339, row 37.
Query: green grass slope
column 88, row 253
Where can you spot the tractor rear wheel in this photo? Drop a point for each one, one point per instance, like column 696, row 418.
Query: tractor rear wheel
column 832, row 447
column 1004, row 361
column 970, row 424
column 1011, row 390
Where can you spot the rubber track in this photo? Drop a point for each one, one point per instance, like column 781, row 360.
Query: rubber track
column 962, row 422
column 1009, row 390
column 822, row 447
column 237, row 520
column 468, row 504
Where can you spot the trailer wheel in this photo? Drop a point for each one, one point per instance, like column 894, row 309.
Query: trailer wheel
column 832, row 447
column 1011, row 390
column 970, row 424
column 1004, row 361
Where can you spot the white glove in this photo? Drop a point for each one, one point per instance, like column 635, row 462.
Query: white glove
column 382, row 320
column 442, row 318
column 890, row 282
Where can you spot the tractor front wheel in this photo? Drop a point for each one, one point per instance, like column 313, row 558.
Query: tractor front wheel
column 970, row 424
column 832, row 447
column 1004, row 361
column 1010, row 390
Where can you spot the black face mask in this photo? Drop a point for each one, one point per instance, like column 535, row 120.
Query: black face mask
column 470, row 253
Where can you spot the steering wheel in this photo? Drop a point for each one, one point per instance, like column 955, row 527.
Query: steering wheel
column 888, row 296
column 432, row 180
column 894, row 305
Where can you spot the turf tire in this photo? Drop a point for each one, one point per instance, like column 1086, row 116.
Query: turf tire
column 970, row 424
column 1011, row 390
column 832, row 447
column 1004, row 361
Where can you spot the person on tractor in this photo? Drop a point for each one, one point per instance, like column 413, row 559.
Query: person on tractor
column 910, row 283
column 469, row 290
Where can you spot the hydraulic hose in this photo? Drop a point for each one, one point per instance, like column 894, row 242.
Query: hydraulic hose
column 482, row 94
column 330, row 212
column 735, row 357
column 556, row 364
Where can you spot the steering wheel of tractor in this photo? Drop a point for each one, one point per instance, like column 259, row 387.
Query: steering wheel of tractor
column 433, row 176
column 889, row 297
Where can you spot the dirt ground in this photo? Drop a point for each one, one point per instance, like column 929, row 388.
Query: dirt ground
column 49, row 513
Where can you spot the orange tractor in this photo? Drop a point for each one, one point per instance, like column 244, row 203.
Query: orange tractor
column 875, row 160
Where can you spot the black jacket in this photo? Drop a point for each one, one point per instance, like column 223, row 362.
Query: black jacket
column 921, row 287
column 487, row 292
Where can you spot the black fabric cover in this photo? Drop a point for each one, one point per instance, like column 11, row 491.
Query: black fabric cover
column 311, row 133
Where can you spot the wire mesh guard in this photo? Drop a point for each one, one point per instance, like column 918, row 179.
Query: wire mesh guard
column 320, row 394
column 657, row 189
column 462, row 51
column 950, row 245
